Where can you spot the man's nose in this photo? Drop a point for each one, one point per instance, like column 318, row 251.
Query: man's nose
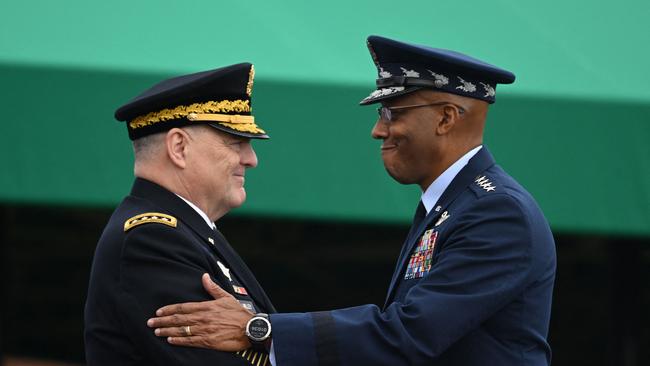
column 248, row 156
column 380, row 130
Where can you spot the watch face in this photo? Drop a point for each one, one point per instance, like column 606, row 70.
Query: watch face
column 259, row 329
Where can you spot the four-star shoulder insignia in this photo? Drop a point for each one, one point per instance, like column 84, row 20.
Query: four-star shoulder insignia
column 484, row 182
column 149, row 217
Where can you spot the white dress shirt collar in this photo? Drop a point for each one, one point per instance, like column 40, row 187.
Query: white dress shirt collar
column 431, row 196
column 200, row 212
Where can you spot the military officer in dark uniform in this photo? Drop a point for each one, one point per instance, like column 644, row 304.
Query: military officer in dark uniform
column 191, row 137
column 473, row 282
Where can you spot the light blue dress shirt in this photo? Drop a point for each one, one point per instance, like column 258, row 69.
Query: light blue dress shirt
column 431, row 196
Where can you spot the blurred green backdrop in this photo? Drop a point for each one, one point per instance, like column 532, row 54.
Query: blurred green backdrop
column 573, row 129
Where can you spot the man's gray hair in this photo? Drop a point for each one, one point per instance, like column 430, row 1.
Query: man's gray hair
column 150, row 146
column 147, row 147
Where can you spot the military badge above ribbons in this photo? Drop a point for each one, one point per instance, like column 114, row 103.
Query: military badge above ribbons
column 420, row 262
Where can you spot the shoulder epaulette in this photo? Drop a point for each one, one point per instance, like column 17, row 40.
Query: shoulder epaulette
column 149, row 217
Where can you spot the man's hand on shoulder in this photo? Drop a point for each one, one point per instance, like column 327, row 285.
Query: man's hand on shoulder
column 217, row 324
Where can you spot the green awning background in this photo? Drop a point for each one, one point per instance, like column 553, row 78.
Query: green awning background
column 573, row 129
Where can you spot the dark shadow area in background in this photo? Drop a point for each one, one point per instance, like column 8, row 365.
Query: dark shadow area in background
column 313, row 265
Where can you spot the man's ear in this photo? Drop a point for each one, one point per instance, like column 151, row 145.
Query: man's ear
column 448, row 119
column 177, row 143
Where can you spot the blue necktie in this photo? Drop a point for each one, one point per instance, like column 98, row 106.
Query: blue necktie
column 420, row 214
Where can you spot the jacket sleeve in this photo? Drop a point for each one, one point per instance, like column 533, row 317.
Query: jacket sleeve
column 160, row 266
column 484, row 263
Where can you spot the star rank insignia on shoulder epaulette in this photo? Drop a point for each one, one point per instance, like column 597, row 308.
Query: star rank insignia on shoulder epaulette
column 149, row 217
column 485, row 183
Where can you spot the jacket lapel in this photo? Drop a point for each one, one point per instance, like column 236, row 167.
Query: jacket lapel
column 477, row 164
column 169, row 202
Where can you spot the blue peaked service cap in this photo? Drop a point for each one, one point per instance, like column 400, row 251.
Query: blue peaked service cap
column 404, row 68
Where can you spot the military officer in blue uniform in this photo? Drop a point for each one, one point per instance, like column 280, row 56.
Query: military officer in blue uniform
column 192, row 140
column 473, row 282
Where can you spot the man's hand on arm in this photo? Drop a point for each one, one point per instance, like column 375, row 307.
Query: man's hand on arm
column 218, row 324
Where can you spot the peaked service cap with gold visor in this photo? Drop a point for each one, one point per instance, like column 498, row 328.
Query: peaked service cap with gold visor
column 220, row 98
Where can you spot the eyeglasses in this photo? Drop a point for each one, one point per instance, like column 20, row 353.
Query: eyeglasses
column 386, row 113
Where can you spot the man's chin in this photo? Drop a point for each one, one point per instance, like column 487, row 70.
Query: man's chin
column 398, row 178
column 239, row 197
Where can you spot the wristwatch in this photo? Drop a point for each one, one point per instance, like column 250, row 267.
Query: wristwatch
column 258, row 331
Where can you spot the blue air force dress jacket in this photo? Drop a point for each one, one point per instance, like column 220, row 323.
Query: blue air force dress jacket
column 152, row 253
column 472, row 286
